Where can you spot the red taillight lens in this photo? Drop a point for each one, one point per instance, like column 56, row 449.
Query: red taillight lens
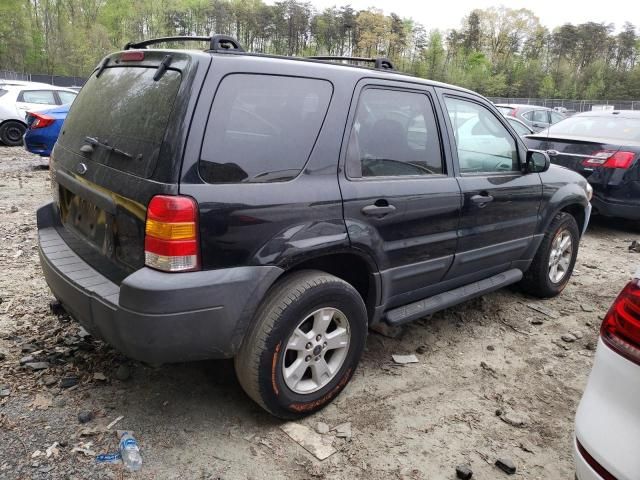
column 132, row 56
column 40, row 120
column 621, row 327
column 171, row 234
column 610, row 159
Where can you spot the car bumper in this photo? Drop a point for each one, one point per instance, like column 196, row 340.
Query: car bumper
column 38, row 144
column 153, row 316
column 608, row 418
column 616, row 208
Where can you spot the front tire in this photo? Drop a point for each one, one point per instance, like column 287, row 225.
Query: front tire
column 553, row 264
column 304, row 344
column 11, row 133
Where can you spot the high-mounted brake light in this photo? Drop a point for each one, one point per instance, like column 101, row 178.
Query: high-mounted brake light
column 171, row 234
column 132, row 56
column 610, row 159
column 40, row 120
column 621, row 327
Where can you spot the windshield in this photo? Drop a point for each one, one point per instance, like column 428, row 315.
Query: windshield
column 126, row 109
column 609, row 127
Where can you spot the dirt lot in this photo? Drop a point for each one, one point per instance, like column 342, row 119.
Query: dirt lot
column 494, row 379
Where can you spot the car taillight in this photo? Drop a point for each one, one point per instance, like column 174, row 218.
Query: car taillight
column 610, row 159
column 39, row 120
column 171, row 234
column 621, row 327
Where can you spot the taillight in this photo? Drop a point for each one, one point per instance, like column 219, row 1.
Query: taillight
column 132, row 56
column 171, row 234
column 621, row 327
column 610, row 159
column 40, row 120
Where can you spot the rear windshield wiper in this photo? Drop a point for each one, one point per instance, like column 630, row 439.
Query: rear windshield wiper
column 94, row 142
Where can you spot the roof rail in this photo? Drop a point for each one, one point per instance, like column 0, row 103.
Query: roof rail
column 381, row 63
column 217, row 43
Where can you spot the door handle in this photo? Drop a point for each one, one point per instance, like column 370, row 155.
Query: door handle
column 553, row 153
column 481, row 200
column 378, row 210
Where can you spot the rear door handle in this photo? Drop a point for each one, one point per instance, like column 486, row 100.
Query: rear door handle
column 481, row 200
column 378, row 210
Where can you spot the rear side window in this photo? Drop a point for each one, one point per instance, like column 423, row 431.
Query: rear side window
column 540, row 116
column 262, row 128
column 66, row 97
column 44, row 97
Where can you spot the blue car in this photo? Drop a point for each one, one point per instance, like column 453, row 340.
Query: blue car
column 43, row 129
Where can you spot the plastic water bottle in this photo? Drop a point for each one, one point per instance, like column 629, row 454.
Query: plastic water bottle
column 130, row 452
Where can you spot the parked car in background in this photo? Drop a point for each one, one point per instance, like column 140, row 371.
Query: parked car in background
column 221, row 229
column 603, row 146
column 608, row 417
column 535, row 117
column 17, row 98
column 519, row 126
column 43, row 129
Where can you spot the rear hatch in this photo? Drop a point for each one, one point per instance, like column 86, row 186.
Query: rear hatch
column 120, row 145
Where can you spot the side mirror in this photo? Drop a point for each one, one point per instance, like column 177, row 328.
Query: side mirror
column 537, row 161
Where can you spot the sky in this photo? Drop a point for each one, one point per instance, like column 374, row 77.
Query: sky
column 444, row 15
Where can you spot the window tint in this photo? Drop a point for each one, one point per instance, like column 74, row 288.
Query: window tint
column 66, row 97
column 44, row 97
column 262, row 128
column 556, row 117
column 394, row 134
column 520, row 128
column 483, row 143
column 540, row 116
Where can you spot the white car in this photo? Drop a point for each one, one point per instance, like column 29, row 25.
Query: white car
column 17, row 98
column 608, row 418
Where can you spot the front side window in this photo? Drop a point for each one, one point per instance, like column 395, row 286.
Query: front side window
column 262, row 128
column 484, row 145
column 44, row 97
column 394, row 134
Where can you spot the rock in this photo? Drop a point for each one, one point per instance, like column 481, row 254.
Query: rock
column 37, row 365
column 68, row 382
column 569, row 338
column 498, row 412
column 491, row 348
column 2, row 356
column 100, row 377
column 28, row 348
column 59, row 402
column 343, row 430
column 536, row 321
column 56, row 308
column 27, row 359
column 513, row 419
column 123, row 373
column 587, row 308
column 85, row 417
column 577, row 334
column 591, row 345
column 404, row 359
column 635, row 246
column 322, row 428
column 14, row 209
column 309, row 440
column 49, row 380
column 506, row 465
column 5, row 391
column 422, row 349
column 464, row 472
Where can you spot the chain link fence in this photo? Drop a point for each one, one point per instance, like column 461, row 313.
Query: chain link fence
column 572, row 106
column 57, row 80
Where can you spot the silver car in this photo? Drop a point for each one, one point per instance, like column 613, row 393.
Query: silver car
column 534, row 116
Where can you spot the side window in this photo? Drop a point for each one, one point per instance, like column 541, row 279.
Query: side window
column 528, row 115
column 556, row 117
column 44, row 97
column 540, row 116
column 262, row 128
column 394, row 133
column 484, row 145
column 518, row 127
column 66, row 97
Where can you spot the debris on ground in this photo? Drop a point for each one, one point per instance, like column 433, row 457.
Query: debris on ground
column 464, row 472
column 635, row 246
column 343, row 430
column 112, row 424
column 123, row 373
column 109, row 458
column 587, row 308
column 568, row 337
column 506, row 465
column 404, row 359
column 513, row 419
column 544, row 310
column 422, row 349
column 387, row 330
column 85, row 417
column 68, row 382
column 322, row 428
column 311, row 441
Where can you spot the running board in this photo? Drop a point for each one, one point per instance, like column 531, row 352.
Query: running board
column 427, row 306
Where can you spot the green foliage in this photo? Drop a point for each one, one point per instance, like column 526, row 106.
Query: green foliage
column 497, row 51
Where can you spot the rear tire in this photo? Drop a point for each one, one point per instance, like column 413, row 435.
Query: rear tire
column 287, row 363
column 11, row 133
column 553, row 264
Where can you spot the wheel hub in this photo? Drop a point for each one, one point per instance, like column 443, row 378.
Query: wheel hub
column 560, row 256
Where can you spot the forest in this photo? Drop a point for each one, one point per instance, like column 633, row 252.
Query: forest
column 496, row 51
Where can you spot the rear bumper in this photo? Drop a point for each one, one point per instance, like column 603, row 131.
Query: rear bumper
column 38, row 143
column 153, row 316
column 615, row 208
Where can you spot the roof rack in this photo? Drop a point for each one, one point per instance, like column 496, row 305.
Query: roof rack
column 217, row 43
column 381, row 63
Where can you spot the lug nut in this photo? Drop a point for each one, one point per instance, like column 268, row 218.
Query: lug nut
column 308, row 346
column 317, row 358
column 319, row 337
column 324, row 345
column 307, row 358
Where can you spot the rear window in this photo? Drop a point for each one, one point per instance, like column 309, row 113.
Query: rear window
column 262, row 128
column 125, row 109
column 42, row 97
column 610, row 127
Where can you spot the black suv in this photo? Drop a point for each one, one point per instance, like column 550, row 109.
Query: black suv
column 223, row 204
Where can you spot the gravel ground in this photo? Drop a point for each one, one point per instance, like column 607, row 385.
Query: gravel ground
column 494, row 379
